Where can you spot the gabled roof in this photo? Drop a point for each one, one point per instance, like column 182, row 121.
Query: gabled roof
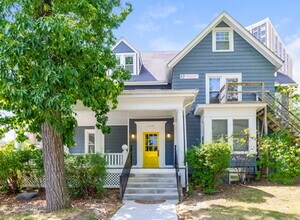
column 238, row 28
column 122, row 39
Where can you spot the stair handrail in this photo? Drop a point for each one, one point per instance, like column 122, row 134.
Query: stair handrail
column 178, row 177
column 291, row 113
column 294, row 121
column 125, row 173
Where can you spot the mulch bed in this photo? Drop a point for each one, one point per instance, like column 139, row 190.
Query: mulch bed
column 106, row 205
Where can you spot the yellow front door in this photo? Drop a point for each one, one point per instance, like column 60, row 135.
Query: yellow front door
column 151, row 149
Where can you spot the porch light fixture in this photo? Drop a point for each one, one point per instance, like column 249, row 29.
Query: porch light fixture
column 132, row 135
column 168, row 135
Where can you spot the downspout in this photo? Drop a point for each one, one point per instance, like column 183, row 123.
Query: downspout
column 185, row 142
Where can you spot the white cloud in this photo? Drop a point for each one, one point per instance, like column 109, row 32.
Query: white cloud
column 178, row 22
column 294, row 50
column 146, row 26
column 284, row 21
column 164, row 44
column 162, row 11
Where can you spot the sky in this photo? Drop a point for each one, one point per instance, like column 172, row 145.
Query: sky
column 157, row 25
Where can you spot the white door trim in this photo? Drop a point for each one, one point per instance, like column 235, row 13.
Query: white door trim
column 150, row 126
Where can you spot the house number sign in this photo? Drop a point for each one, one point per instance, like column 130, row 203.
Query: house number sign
column 189, row 76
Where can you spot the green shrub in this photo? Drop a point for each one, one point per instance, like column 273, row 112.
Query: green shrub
column 208, row 162
column 16, row 163
column 85, row 174
column 279, row 153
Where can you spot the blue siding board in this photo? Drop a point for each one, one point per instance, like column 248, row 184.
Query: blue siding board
column 115, row 139
column 122, row 48
column 201, row 60
column 79, row 140
column 222, row 24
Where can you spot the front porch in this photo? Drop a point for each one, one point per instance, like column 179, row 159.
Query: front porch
column 147, row 123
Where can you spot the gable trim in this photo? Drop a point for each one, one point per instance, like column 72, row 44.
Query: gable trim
column 238, row 28
column 122, row 39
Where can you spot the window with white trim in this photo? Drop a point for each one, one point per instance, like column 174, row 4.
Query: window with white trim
column 234, row 128
column 219, row 129
column 239, row 135
column 222, row 40
column 89, row 138
column 128, row 61
column 214, row 83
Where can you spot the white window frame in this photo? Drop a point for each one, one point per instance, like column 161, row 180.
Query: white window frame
column 223, row 77
column 86, row 140
column 231, row 40
column 251, row 141
column 122, row 60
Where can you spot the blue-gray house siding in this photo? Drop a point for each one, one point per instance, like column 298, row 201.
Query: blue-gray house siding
column 122, row 48
column 79, row 139
column 116, row 138
column 201, row 60
column 113, row 141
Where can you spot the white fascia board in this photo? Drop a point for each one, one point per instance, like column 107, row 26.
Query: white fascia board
column 237, row 27
column 145, row 83
column 199, row 110
column 160, row 93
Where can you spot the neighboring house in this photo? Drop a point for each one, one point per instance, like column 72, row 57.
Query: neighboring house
column 267, row 34
column 215, row 86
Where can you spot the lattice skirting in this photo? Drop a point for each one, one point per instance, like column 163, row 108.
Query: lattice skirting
column 112, row 179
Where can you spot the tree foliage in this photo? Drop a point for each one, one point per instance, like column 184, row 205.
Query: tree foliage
column 16, row 163
column 280, row 154
column 54, row 54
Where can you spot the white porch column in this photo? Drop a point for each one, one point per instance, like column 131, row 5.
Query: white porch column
column 180, row 137
column 99, row 141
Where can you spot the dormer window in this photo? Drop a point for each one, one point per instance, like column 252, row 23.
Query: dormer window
column 128, row 61
column 222, row 40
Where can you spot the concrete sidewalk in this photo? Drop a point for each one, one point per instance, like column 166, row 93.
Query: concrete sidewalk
column 136, row 211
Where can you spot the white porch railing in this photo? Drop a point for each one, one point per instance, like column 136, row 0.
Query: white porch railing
column 114, row 159
column 117, row 159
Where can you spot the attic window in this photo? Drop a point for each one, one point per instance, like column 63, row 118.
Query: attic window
column 222, row 40
column 128, row 61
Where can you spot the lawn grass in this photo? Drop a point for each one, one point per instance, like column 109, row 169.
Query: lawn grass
column 257, row 201
column 72, row 213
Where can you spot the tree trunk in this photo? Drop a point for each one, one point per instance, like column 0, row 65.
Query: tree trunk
column 57, row 196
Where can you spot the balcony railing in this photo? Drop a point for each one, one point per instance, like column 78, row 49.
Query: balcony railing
column 238, row 92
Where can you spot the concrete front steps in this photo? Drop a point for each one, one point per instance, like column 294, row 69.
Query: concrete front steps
column 151, row 184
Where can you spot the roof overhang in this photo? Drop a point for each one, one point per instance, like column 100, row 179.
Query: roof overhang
column 152, row 100
column 200, row 108
column 238, row 28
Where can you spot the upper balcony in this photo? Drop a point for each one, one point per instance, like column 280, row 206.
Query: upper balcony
column 240, row 92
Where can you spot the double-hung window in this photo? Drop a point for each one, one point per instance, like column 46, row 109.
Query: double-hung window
column 214, row 89
column 219, row 129
column 90, row 141
column 128, row 61
column 222, row 40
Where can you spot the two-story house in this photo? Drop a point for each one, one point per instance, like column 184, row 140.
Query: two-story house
column 214, row 87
